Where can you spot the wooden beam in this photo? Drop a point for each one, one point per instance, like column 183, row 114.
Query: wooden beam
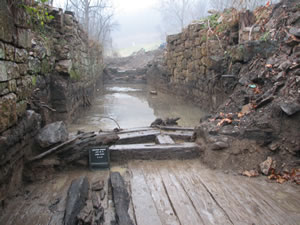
column 164, row 139
column 153, row 151
column 137, row 137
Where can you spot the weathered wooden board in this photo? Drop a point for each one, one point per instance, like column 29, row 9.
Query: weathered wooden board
column 183, row 206
column 197, row 195
column 245, row 202
column 153, row 151
column 135, row 130
column 121, row 199
column 137, row 137
column 144, row 207
column 164, row 139
column 178, row 134
column 160, row 196
column 174, row 128
column 209, row 210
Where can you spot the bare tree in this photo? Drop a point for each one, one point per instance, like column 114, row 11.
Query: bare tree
column 220, row 5
column 177, row 14
column 97, row 16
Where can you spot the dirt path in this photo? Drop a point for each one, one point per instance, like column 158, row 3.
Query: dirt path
column 168, row 193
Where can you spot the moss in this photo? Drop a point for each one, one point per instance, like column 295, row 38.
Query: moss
column 74, row 75
column 46, row 67
column 34, row 80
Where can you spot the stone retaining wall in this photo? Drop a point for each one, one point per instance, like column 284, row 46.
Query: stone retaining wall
column 202, row 62
column 46, row 74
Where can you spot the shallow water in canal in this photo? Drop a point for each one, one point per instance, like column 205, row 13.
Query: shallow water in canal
column 132, row 105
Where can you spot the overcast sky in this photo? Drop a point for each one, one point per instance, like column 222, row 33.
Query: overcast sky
column 139, row 22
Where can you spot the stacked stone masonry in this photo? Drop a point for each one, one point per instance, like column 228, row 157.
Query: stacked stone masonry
column 202, row 62
column 46, row 74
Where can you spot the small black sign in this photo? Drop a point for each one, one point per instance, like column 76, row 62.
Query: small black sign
column 99, row 157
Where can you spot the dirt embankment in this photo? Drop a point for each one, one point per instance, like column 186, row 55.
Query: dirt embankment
column 248, row 63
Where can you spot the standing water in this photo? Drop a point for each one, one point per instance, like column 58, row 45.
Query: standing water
column 132, row 105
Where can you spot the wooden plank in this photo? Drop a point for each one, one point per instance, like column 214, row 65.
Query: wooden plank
column 121, row 199
column 138, row 137
column 241, row 206
column 153, row 151
column 144, row 207
column 159, row 195
column 265, row 208
column 175, row 128
column 205, row 204
column 182, row 135
column 129, row 130
column 183, row 206
column 164, row 139
column 237, row 212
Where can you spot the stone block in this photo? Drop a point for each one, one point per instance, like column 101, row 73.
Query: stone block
column 3, row 86
column 23, row 68
column 2, row 51
column 25, row 89
column 52, row 134
column 8, row 71
column 9, row 52
column 21, row 55
column 64, row 66
column 3, row 72
column 203, row 50
column 24, row 38
column 12, row 85
column 34, row 65
column 21, row 108
column 7, row 26
column 8, row 114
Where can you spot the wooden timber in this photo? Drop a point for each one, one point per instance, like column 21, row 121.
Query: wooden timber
column 164, row 139
column 134, row 137
column 150, row 151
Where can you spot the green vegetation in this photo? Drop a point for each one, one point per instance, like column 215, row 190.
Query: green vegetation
column 203, row 38
column 222, row 27
column 74, row 75
column 213, row 20
column 38, row 14
column 265, row 36
column 34, row 80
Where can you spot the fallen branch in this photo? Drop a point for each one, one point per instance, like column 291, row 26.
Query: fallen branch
column 106, row 117
column 48, row 107
column 50, row 151
column 209, row 29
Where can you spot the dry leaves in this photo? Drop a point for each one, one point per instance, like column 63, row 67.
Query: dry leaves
column 224, row 121
column 250, row 173
column 269, row 65
column 294, row 176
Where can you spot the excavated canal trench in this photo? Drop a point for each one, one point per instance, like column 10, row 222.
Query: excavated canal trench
column 132, row 106
column 152, row 192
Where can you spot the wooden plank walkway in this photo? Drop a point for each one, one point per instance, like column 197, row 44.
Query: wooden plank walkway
column 185, row 193
column 167, row 192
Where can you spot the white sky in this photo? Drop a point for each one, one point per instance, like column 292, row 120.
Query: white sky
column 138, row 23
